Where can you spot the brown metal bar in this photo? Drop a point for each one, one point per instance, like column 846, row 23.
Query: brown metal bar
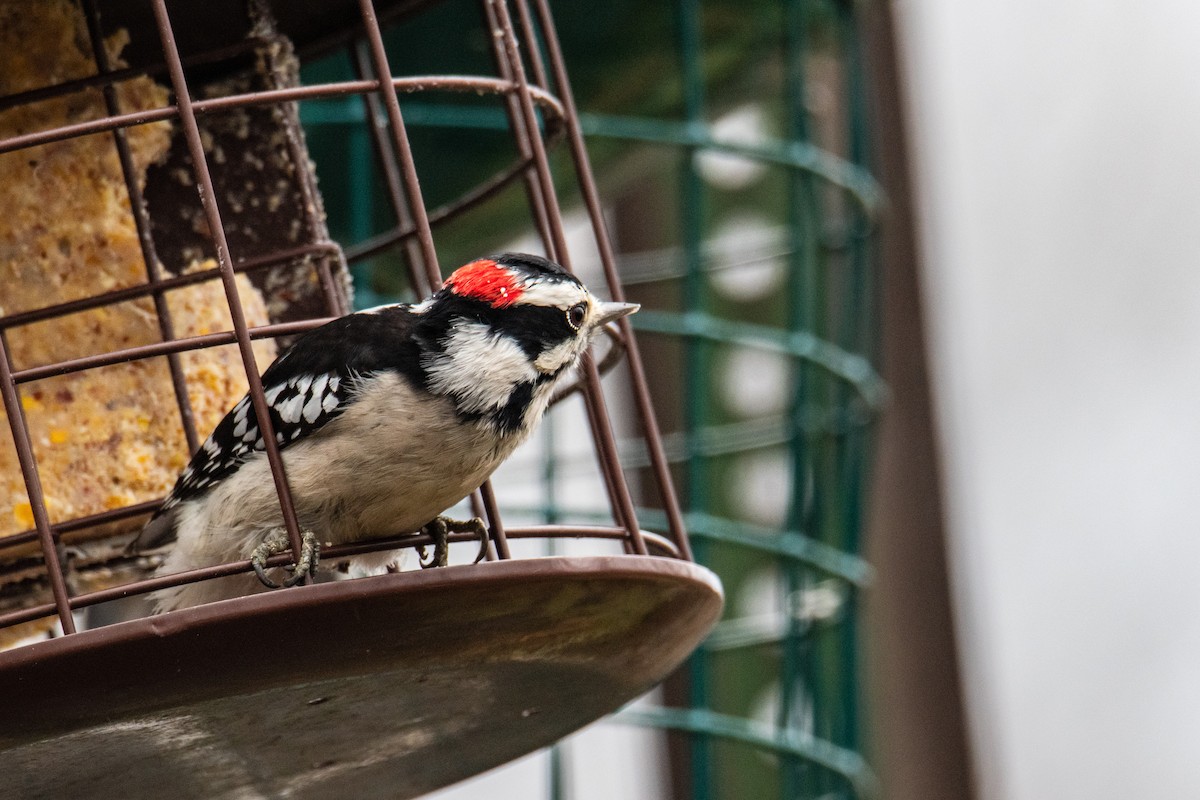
column 33, row 489
column 143, row 290
column 495, row 526
column 85, row 600
column 141, row 219
column 408, row 167
column 451, row 83
column 163, row 348
column 75, row 130
column 591, row 198
column 377, row 122
column 605, row 442
column 12, row 540
column 531, row 46
column 113, row 77
column 523, row 134
column 208, row 200
column 468, row 200
column 424, row 83
column 516, row 122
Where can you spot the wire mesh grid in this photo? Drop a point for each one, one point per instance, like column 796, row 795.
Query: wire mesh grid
column 781, row 679
column 530, row 82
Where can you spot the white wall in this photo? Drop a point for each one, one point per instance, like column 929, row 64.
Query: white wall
column 1058, row 168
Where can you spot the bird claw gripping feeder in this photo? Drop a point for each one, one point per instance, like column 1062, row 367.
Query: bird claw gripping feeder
column 161, row 235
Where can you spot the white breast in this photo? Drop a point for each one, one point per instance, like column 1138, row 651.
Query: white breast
column 392, row 462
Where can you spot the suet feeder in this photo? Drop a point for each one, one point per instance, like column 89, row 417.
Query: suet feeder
column 161, row 235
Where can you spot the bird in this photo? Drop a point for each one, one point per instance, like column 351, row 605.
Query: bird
column 384, row 418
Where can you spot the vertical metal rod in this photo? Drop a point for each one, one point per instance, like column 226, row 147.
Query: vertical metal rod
column 141, row 218
column 391, row 173
column 204, row 183
column 610, row 488
column 799, row 667
column 550, row 478
column 531, row 45
column 691, row 55
column 558, row 770
column 499, row 538
column 593, row 394
column 408, row 167
column 516, row 121
column 33, row 488
column 591, row 197
column 858, row 335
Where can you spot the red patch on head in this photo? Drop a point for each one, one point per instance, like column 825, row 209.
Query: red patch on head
column 487, row 281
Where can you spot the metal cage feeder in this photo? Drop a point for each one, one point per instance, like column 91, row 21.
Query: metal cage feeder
column 139, row 305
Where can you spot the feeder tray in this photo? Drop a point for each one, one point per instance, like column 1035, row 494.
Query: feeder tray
column 390, row 686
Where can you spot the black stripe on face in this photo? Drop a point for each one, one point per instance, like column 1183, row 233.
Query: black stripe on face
column 511, row 416
column 533, row 328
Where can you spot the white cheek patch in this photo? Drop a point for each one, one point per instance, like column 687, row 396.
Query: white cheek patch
column 479, row 367
column 561, row 355
column 563, row 294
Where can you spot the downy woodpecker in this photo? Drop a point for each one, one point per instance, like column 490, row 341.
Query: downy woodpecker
column 385, row 418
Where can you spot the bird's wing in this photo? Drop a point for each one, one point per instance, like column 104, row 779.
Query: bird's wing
column 305, row 388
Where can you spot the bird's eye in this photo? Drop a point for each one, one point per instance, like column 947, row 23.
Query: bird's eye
column 575, row 315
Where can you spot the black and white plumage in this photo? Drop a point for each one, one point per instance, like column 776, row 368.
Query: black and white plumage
column 385, row 418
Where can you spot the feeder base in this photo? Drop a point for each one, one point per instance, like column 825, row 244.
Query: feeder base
column 390, row 686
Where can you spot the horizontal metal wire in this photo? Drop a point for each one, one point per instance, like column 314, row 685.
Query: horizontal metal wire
column 163, row 348
column 854, row 369
column 657, row 543
column 427, row 83
column 790, row 545
column 248, row 265
column 114, row 76
column 855, row 180
column 787, row 545
column 788, row 742
column 794, row 153
column 468, row 200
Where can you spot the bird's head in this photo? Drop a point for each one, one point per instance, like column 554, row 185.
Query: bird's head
column 508, row 327
column 535, row 302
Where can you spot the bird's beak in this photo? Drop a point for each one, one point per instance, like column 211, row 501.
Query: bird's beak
column 607, row 312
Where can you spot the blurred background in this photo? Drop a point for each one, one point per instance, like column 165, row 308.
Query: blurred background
column 1055, row 162
column 920, row 313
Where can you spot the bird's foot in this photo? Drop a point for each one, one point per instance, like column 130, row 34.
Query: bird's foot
column 305, row 566
column 440, row 529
